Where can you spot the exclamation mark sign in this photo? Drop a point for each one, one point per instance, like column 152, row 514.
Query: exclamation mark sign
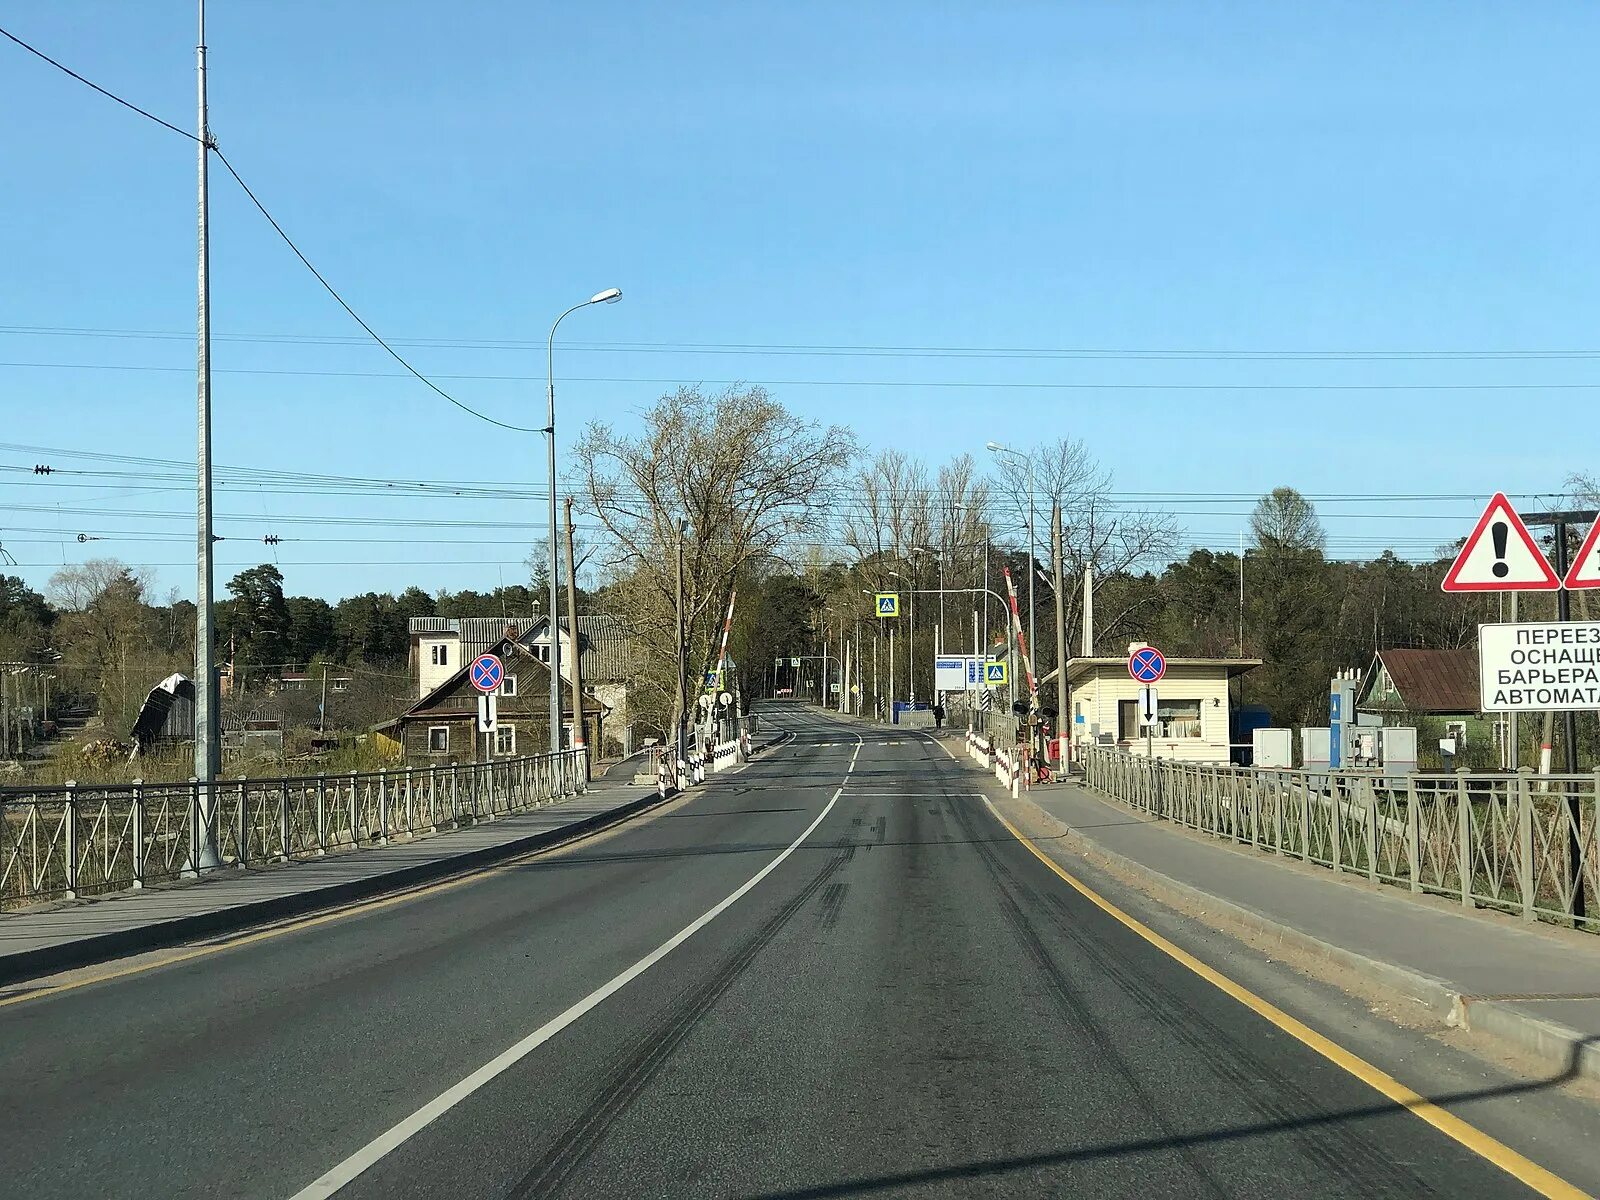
column 1499, row 531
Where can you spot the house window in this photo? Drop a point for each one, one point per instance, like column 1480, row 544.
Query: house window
column 508, row 686
column 441, row 654
column 438, row 739
column 341, row 685
column 1457, row 730
column 505, row 739
column 544, row 653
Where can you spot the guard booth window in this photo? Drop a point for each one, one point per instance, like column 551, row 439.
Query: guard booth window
column 1128, row 721
column 1177, row 719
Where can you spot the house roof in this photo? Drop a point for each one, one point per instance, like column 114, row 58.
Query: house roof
column 1433, row 681
column 1079, row 668
column 477, row 634
column 607, row 650
column 502, row 647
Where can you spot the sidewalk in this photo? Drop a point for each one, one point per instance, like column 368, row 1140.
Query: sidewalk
column 77, row 933
column 1537, row 987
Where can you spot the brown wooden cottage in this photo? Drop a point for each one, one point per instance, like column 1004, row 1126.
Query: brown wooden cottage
column 443, row 725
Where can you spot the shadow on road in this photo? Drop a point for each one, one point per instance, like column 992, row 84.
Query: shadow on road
column 1002, row 1166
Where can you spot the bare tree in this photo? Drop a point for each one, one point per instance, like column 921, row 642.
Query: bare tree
column 1098, row 532
column 746, row 474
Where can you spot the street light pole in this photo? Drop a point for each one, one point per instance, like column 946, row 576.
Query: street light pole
column 609, row 296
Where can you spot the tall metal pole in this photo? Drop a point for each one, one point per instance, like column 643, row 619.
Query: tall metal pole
column 1063, row 720
column 550, row 555
column 682, row 715
column 911, row 648
column 1033, row 570
column 1569, row 731
column 1241, row 594
column 203, row 850
column 577, row 657
column 1088, row 610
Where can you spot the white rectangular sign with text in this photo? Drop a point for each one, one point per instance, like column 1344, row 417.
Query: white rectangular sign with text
column 1538, row 666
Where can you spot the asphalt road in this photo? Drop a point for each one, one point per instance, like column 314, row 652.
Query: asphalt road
column 908, row 1003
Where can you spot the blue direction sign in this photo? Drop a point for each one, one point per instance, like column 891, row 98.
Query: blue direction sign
column 486, row 673
column 1147, row 664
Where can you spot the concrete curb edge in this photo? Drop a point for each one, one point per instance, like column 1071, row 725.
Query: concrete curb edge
column 1547, row 1041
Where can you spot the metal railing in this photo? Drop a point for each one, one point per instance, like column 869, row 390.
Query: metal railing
column 58, row 843
column 1001, row 728
column 1517, row 842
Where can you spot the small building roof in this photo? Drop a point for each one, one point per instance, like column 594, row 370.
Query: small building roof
column 1430, row 681
column 1082, row 668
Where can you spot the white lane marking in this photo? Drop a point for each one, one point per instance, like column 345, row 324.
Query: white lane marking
column 330, row 1182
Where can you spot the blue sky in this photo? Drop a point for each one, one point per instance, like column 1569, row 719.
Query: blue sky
column 1197, row 177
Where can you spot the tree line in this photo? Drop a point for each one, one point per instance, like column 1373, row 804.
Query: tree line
column 805, row 525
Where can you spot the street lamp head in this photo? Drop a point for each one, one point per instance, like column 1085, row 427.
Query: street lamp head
column 996, row 446
column 609, row 296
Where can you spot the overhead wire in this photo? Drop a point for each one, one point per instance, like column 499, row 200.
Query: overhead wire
column 693, row 381
column 846, row 351
column 213, row 148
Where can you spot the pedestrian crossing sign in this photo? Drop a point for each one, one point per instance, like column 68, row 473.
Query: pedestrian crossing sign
column 994, row 671
column 888, row 604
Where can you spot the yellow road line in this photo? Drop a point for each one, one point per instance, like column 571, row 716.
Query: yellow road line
column 339, row 914
column 1518, row 1166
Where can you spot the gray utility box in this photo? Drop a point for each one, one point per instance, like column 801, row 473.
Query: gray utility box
column 1271, row 748
column 1314, row 748
column 1399, row 749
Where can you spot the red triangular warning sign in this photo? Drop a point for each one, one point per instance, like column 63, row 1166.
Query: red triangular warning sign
column 1500, row 556
column 1585, row 569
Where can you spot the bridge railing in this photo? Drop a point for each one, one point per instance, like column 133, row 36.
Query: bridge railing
column 1517, row 842
column 62, row 842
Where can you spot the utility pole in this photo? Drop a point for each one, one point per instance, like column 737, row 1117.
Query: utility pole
column 203, row 846
column 890, row 714
column 322, row 708
column 1088, row 610
column 1241, row 595
column 1063, row 719
column 681, row 716
column 911, row 648
column 577, row 656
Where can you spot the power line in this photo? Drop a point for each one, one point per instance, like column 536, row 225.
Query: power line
column 682, row 381
column 841, row 493
column 846, row 351
column 271, row 220
column 355, row 316
column 109, row 95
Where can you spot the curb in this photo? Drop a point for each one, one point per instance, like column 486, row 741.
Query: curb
column 1576, row 1053
column 25, row 965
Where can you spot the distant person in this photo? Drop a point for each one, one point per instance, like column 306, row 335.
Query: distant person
column 938, row 716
